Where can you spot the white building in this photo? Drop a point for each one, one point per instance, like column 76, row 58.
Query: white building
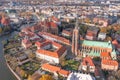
column 80, row 76
column 101, row 36
column 47, row 53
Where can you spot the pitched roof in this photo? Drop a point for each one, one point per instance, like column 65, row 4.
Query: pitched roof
column 53, row 25
column 105, row 54
column 115, row 42
column 109, row 62
column 48, row 53
column 88, row 60
column 97, row 44
column 55, row 19
column 64, row 72
column 50, row 68
column 60, row 39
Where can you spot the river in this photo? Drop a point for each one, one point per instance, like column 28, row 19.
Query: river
column 5, row 73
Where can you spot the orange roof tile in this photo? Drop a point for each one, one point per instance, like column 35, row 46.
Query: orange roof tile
column 50, row 68
column 110, row 62
column 48, row 53
column 55, row 19
column 53, row 25
column 88, row 60
column 105, row 54
column 115, row 42
column 53, row 69
column 61, row 39
column 64, row 72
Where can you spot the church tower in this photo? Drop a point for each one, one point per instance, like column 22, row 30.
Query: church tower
column 75, row 39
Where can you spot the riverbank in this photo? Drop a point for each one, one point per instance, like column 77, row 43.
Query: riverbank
column 15, row 74
column 5, row 73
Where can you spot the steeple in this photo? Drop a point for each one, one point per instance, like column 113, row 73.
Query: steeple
column 76, row 23
column 75, row 38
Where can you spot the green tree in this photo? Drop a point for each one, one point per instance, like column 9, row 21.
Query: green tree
column 46, row 77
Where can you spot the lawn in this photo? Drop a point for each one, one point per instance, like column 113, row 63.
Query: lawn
column 71, row 65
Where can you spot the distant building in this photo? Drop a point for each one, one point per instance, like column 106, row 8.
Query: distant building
column 91, row 33
column 101, row 36
column 88, row 65
column 66, row 33
column 80, row 76
column 26, row 43
column 55, row 38
column 110, row 65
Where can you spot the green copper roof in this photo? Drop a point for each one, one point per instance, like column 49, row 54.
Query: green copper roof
column 97, row 43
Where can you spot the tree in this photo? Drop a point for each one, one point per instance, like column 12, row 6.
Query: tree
column 46, row 77
column 29, row 77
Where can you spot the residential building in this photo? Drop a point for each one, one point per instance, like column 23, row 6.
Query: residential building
column 109, row 65
column 51, row 51
column 55, row 70
column 26, row 43
column 91, row 33
column 66, row 33
column 88, row 65
column 55, row 38
column 101, row 36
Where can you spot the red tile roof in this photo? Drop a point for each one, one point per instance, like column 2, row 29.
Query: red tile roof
column 115, row 42
column 88, row 60
column 53, row 69
column 60, row 39
column 50, row 68
column 105, row 54
column 64, row 72
column 109, row 62
column 53, row 25
column 55, row 19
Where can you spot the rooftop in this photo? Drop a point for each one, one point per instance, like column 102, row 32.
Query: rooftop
column 97, row 44
column 109, row 62
column 80, row 76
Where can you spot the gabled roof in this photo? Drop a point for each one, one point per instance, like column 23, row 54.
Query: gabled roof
column 109, row 62
column 97, row 44
column 88, row 61
column 105, row 54
column 50, row 68
column 56, row 69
